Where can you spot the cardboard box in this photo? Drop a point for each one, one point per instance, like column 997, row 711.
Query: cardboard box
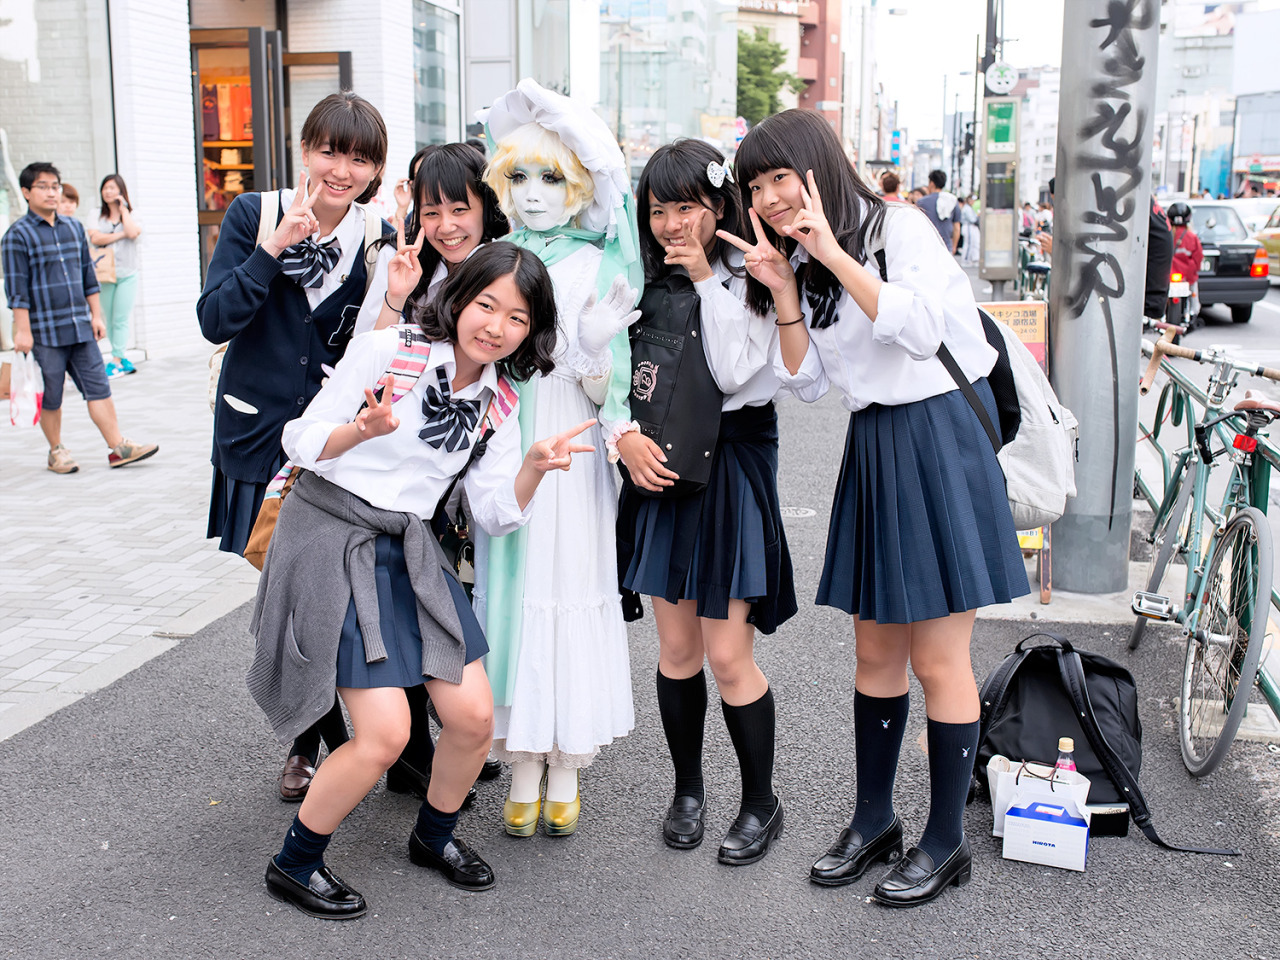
column 1053, row 834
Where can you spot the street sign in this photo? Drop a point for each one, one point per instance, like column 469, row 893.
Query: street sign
column 1002, row 137
column 1001, row 78
column 895, row 146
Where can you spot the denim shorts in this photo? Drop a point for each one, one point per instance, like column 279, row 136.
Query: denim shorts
column 82, row 360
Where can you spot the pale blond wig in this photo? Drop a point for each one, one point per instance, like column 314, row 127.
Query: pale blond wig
column 532, row 143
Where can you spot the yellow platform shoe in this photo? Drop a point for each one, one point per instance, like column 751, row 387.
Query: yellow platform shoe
column 521, row 819
column 561, row 819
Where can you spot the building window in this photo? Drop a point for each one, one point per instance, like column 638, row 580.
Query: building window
column 437, row 64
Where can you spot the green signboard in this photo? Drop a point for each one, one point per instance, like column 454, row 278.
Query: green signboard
column 1001, row 136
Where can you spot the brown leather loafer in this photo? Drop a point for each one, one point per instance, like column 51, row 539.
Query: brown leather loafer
column 296, row 778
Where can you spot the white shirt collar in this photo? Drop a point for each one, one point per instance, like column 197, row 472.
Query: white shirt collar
column 443, row 355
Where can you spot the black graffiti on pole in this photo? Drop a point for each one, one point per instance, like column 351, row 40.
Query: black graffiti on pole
column 1112, row 142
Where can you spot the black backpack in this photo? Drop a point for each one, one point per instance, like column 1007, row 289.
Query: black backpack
column 1040, row 693
column 673, row 397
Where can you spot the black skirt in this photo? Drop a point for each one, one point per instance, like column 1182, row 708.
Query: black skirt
column 725, row 543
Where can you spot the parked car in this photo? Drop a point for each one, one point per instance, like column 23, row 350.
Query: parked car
column 1269, row 237
column 1234, row 269
column 1254, row 211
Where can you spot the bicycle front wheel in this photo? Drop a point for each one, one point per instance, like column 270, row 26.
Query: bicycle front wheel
column 1224, row 649
column 1164, row 540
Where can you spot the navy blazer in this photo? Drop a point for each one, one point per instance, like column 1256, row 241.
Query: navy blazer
column 277, row 343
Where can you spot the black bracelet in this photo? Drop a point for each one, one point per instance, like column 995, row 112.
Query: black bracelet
column 390, row 307
column 788, row 323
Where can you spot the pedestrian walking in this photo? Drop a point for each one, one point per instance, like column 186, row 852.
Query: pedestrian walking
column 356, row 594
column 57, row 316
column 69, row 204
column 920, row 533
column 286, row 308
column 715, row 562
column 548, row 595
column 119, row 229
column 942, row 208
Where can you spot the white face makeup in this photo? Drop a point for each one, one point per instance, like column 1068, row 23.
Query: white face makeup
column 540, row 195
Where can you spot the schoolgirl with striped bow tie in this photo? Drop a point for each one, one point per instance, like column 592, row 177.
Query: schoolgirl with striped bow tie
column 356, row 593
column 283, row 290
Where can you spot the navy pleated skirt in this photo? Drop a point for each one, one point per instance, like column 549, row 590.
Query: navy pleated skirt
column 920, row 525
column 725, row 543
column 398, row 617
column 233, row 508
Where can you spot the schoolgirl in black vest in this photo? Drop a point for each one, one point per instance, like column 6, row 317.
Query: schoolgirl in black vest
column 921, row 534
column 286, row 309
column 715, row 563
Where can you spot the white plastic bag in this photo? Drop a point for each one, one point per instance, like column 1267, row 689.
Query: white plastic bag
column 26, row 391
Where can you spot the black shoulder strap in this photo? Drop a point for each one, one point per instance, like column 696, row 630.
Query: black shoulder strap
column 957, row 375
column 1072, row 672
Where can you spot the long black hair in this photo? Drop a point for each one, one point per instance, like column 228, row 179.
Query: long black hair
column 439, row 318
column 678, row 171
column 802, row 140
column 446, row 172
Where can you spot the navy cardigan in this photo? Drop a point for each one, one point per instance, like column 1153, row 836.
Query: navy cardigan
column 277, row 343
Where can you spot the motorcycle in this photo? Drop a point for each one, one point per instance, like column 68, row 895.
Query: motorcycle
column 1178, row 308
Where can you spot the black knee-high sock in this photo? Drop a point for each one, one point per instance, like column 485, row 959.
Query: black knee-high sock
column 420, row 750
column 952, row 747
column 683, row 707
column 435, row 828
column 303, row 851
column 333, row 727
column 751, row 728
column 307, row 745
column 878, row 726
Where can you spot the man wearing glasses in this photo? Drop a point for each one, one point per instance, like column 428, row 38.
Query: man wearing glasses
column 52, row 290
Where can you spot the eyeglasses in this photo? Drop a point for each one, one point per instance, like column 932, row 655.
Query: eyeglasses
column 47, row 187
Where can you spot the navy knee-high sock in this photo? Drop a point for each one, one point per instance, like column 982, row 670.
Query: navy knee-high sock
column 303, row 851
column 682, row 705
column 878, row 727
column 952, row 747
column 751, row 728
column 435, row 828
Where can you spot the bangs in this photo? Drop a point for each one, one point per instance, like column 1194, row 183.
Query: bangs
column 762, row 152
column 670, row 180
column 348, row 124
column 445, row 177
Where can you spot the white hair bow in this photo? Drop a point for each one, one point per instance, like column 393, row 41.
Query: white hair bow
column 718, row 173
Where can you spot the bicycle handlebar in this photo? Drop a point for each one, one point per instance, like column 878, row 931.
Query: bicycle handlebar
column 1164, row 347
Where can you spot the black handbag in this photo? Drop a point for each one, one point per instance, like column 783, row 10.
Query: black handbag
column 1040, row 693
column 673, row 396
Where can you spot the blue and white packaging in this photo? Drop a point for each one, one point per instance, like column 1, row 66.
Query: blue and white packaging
column 1008, row 779
column 1052, row 832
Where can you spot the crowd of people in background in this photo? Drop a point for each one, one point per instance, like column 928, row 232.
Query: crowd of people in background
column 956, row 218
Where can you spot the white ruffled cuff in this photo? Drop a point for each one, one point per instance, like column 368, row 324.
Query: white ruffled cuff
column 621, row 430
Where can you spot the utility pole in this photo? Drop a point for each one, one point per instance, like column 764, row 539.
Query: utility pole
column 1105, row 118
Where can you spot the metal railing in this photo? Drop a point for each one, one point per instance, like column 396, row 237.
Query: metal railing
column 1176, row 399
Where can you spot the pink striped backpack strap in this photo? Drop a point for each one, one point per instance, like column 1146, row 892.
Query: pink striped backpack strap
column 503, row 403
column 410, row 360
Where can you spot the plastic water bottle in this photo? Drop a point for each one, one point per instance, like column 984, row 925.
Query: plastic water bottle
column 1066, row 755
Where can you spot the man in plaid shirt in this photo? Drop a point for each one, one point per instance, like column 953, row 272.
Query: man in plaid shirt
column 53, row 293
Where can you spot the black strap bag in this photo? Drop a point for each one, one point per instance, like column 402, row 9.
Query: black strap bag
column 1040, row 693
column 673, row 397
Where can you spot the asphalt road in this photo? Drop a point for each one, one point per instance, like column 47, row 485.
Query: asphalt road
column 138, row 823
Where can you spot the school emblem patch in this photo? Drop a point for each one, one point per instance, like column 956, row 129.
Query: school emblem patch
column 644, row 380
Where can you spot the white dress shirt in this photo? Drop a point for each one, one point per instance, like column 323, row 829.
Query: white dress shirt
column 927, row 301
column 738, row 344
column 399, row 471
column 350, row 234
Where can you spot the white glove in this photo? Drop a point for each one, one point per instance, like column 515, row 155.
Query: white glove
column 604, row 319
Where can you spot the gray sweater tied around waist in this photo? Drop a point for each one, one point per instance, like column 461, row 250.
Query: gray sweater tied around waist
column 321, row 556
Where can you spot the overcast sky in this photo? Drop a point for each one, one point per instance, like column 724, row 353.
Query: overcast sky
column 933, row 38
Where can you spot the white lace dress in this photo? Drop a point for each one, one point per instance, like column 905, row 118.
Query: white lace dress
column 572, row 690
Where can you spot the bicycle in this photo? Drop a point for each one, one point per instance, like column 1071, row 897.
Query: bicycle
column 1224, row 608
column 1033, row 271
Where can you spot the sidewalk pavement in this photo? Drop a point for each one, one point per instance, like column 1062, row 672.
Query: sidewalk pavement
column 139, row 819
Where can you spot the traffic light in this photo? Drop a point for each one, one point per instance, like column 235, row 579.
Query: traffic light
column 968, row 141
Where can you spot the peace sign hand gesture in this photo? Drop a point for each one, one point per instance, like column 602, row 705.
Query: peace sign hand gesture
column 810, row 227
column 404, row 270
column 376, row 419
column 298, row 221
column 690, row 254
column 556, row 453
column 762, row 259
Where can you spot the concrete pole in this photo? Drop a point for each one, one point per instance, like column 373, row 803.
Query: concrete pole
column 1101, row 205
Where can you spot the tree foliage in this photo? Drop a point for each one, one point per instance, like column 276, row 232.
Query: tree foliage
column 759, row 76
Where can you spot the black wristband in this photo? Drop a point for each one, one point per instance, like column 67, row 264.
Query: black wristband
column 789, row 323
column 390, row 307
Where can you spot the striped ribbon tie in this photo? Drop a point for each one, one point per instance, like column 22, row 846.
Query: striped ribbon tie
column 307, row 262
column 449, row 421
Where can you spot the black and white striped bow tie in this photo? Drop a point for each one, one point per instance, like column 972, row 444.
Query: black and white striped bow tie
column 307, row 262
column 449, row 421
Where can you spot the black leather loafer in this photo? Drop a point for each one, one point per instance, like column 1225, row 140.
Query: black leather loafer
column 324, row 896
column 491, row 770
column 916, row 880
column 748, row 839
column 850, row 856
column 683, row 826
column 458, row 864
column 402, row 778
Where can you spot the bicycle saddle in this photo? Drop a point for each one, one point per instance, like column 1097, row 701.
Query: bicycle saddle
column 1256, row 401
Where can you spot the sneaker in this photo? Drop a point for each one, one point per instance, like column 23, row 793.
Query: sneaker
column 113, row 371
column 127, row 366
column 129, row 452
column 60, row 460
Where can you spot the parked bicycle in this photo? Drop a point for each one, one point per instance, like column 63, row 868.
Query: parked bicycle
column 1033, row 271
column 1224, row 608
